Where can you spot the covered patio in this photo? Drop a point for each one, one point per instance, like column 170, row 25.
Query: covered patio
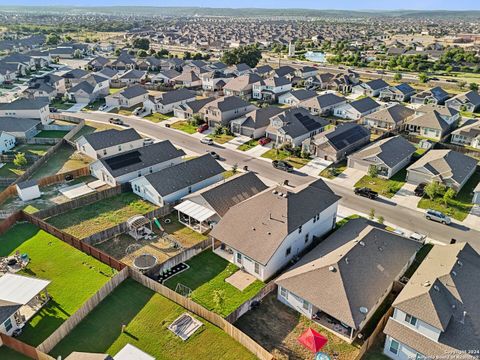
column 335, row 326
column 195, row 216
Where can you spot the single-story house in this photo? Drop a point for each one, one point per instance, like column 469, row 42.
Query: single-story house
column 323, row 104
column 451, row 168
column 166, row 102
column 203, row 209
column 222, row 110
column 335, row 144
column 165, row 76
column 126, row 166
column 295, row 97
column 433, row 121
column 92, row 88
column 400, row 93
column 276, row 226
column 469, row 101
column 293, row 126
column 109, row 142
column 127, row 98
column 7, row 140
column 356, row 109
column 468, row 134
column 241, row 86
column 343, row 280
column 388, row 155
column 19, row 128
column 254, row 124
column 190, row 108
column 132, row 77
column 172, row 183
column 189, row 79
column 370, row 88
column 435, row 96
column 388, row 119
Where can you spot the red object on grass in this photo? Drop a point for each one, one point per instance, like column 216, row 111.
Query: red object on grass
column 312, row 340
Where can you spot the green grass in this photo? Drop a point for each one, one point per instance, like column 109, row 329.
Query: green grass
column 114, row 91
column 460, row 206
column 9, row 170
column 385, row 187
column 229, row 173
column 157, row 117
column 147, row 316
column 221, row 138
column 90, row 219
column 332, row 171
column 51, row 134
column 8, row 354
column 184, row 126
column 184, row 234
column 61, row 105
column 74, row 276
column 39, row 150
column 248, row 145
column 295, row 161
column 419, row 152
column 91, row 127
column 207, row 273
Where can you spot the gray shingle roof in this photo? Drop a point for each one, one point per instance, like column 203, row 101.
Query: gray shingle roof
column 174, row 96
column 133, row 91
column 11, row 124
column 364, row 105
column 111, row 137
column 24, row 104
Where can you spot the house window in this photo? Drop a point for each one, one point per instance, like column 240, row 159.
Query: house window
column 239, row 258
column 306, row 305
column 139, row 173
column 411, row 319
column 394, row 347
column 300, row 229
column 306, row 238
column 288, row 251
column 420, row 357
column 284, row 292
column 8, row 324
column 104, row 151
column 119, row 147
column 318, row 217
column 257, row 268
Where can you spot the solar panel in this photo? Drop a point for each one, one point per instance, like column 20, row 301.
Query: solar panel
column 123, row 160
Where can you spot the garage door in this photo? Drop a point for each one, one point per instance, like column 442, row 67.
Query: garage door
column 358, row 164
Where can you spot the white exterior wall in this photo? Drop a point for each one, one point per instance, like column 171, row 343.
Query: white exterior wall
column 3, row 329
column 346, row 112
column 7, row 142
column 422, row 327
column 42, row 114
column 295, row 302
column 404, row 352
column 30, row 193
column 84, row 147
column 165, row 109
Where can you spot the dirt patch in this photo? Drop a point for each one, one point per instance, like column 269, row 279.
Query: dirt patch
column 277, row 327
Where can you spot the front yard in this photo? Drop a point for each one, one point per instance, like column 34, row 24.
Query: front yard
column 61, row 105
column 332, row 171
column 90, row 219
column 184, row 126
column 277, row 154
column 206, row 275
column 385, row 187
column 74, row 276
column 157, row 117
column 147, row 316
column 248, row 145
column 221, row 138
column 457, row 208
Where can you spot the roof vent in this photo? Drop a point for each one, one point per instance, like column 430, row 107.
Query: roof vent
column 362, row 243
column 284, row 195
column 454, row 273
column 331, row 268
column 426, row 284
column 269, row 233
column 274, row 192
column 459, row 263
column 363, row 310
column 435, row 287
column 346, row 260
column 253, row 229
column 380, row 248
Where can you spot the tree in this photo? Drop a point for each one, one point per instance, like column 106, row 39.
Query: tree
column 433, row 189
column 462, row 84
column 162, row 53
column 142, row 53
column 219, row 298
column 380, row 219
column 397, row 76
column 373, row 171
column 52, row 39
column 141, row 43
column 234, row 168
column 371, row 215
column 187, row 55
column 422, row 77
column 20, row 160
column 249, row 54
column 473, row 86
column 77, row 54
column 449, row 195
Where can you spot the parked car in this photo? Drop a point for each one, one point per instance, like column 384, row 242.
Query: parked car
column 282, row 165
column 214, row 155
column 116, row 121
column 202, row 128
column 103, row 107
column 137, row 110
column 264, row 141
column 366, row 192
column 53, row 109
column 437, row 216
column 148, row 141
column 418, row 237
column 420, row 190
column 207, row 141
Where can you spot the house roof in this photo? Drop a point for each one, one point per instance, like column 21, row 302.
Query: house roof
column 437, row 92
column 364, row 105
column 257, row 226
column 196, row 105
column 260, row 118
column 298, row 122
column 133, row 74
column 12, row 124
column 174, row 96
column 445, row 164
column 227, row 103
column 390, row 151
column 84, row 86
column 274, row 81
column 130, row 352
column 323, row 101
column 342, row 136
column 472, row 97
column 177, row 177
column 28, row 183
column 395, row 114
column 377, row 84
column 350, row 270
column 24, row 104
column 242, row 82
column 471, row 128
column 141, row 158
column 132, row 92
column 303, row 94
column 111, row 137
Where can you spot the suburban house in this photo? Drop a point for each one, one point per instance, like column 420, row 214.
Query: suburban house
column 48, row 86
column 109, row 142
column 343, row 280
column 166, row 102
column 370, row 88
column 437, row 312
column 295, row 97
column 388, row 155
column 172, row 183
column 270, row 89
column 121, row 168
column 7, row 140
column 254, row 124
column 127, row 98
column 132, row 77
column 468, row 134
column 293, row 126
column 469, row 101
column 215, row 80
column 21, row 297
column 306, row 72
column 23, row 108
column 124, row 62
column 73, row 77
column 335, row 144
column 435, row 96
column 18, row 128
column 263, row 70
column 451, row 168
column 433, row 121
column 203, row 209
column 190, row 108
column 341, row 82
column 92, row 88
column 323, row 104
column 165, row 77
column 277, row 225
column 284, row 71
column 388, row 119
column 238, row 69
column 356, row 109
column 319, row 81
column 222, row 110
column 400, row 93
column 98, row 63
column 188, row 79
column 241, row 86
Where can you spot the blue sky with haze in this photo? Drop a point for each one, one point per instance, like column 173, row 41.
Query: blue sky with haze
column 310, row 4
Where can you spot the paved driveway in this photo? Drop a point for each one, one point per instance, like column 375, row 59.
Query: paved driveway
column 258, row 150
column 77, row 107
column 236, row 142
column 314, row 167
column 349, row 177
column 406, row 197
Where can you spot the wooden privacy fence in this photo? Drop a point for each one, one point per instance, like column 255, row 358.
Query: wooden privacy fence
column 22, row 348
column 10, row 221
column 370, row 341
column 48, row 344
column 199, row 310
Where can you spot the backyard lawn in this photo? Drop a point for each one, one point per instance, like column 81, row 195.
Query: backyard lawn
column 248, row 145
column 221, row 138
column 66, row 267
column 114, row 90
column 457, row 208
column 52, row 134
column 147, row 316
column 157, row 117
column 6, row 353
column 184, row 126
column 39, row 150
column 91, row 126
column 332, row 171
column 186, row 236
column 61, row 105
column 276, row 154
column 207, row 273
column 385, row 187
column 9, row 170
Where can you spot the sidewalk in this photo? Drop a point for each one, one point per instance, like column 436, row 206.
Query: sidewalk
column 236, row 142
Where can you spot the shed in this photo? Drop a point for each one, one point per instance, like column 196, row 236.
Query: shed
column 28, row 190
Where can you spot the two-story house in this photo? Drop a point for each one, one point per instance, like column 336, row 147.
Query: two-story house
column 23, row 108
column 469, row 101
column 270, row 89
column 166, row 102
column 241, row 86
column 222, row 110
column 400, row 93
column 323, row 105
column 128, row 97
column 434, row 96
column 433, row 121
column 356, row 109
column 370, row 88
column 468, row 134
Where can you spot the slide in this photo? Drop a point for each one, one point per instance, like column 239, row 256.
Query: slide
column 157, row 222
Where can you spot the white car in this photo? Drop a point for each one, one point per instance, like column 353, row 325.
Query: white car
column 206, row 141
column 103, row 107
column 418, row 237
column 137, row 111
column 148, row 141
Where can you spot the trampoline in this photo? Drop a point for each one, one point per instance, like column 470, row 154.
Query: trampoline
column 144, row 262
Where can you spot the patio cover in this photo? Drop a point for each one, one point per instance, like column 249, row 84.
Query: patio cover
column 20, row 289
column 312, row 340
column 130, row 352
column 194, row 210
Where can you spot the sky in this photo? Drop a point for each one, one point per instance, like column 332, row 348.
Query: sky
column 307, row 4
